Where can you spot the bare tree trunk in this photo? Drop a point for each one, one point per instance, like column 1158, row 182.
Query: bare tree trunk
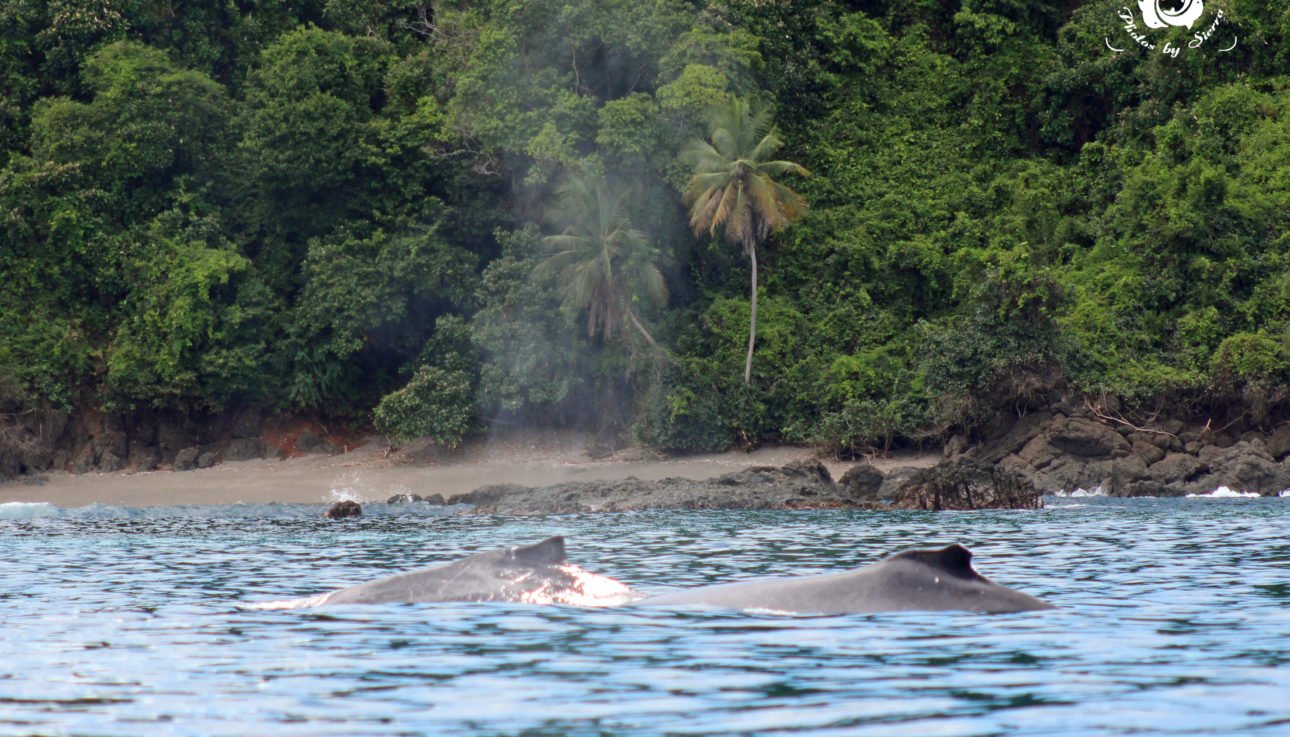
column 640, row 327
column 752, row 315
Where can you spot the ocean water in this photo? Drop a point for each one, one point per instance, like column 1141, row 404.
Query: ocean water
column 1174, row 620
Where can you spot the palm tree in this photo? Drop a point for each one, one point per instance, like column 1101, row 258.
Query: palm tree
column 733, row 189
column 605, row 266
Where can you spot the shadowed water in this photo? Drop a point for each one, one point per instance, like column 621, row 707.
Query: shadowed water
column 1175, row 620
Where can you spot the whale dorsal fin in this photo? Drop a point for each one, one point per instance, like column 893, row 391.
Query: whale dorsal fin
column 549, row 552
column 954, row 560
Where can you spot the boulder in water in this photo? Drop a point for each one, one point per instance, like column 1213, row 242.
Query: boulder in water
column 344, row 510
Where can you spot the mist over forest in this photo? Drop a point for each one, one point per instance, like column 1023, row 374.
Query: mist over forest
column 433, row 219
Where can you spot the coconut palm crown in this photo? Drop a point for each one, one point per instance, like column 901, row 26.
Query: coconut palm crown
column 604, row 265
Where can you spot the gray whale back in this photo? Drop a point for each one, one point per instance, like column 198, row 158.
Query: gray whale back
column 915, row 580
column 535, row 574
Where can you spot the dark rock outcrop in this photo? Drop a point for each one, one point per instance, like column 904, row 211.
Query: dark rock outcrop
column 110, row 462
column 186, row 459
column 84, row 460
column 433, row 499
column 243, row 449
column 1176, row 468
column 247, row 424
column 1016, row 437
column 894, row 481
column 862, row 482
column 966, row 485
column 1150, row 488
column 1278, row 443
column 1085, row 450
column 1246, row 466
column 1087, row 439
column 142, row 457
column 799, row 485
column 802, row 485
column 310, row 442
column 1147, row 451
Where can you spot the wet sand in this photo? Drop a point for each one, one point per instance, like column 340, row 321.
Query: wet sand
column 371, row 474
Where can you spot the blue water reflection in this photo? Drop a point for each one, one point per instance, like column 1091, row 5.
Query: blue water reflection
column 1175, row 620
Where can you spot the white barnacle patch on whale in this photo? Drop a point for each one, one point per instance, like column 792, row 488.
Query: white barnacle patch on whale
column 585, row 589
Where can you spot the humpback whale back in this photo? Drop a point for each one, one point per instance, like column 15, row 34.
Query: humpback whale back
column 953, row 560
column 532, row 574
column 549, row 552
column 915, row 580
column 921, row 580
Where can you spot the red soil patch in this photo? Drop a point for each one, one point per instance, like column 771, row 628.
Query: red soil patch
column 284, row 434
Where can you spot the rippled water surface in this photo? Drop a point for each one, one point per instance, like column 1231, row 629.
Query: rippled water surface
column 1174, row 620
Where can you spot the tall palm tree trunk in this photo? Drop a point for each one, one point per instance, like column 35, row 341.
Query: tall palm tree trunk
column 752, row 315
column 641, row 329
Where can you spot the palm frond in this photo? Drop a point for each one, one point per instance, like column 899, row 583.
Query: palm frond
column 765, row 147
column 599, row 259
column 780, row 168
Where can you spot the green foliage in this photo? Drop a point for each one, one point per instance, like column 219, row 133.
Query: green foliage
column 534, row 362
column 869, row 425
column 366, row 309
column 172, row 349
column 435, row 404
column 1254, row 370
column 1251, row 358
column 310, row 131
column 332, row 206
column 149, row 131
column 689, row 408
column 600, row 264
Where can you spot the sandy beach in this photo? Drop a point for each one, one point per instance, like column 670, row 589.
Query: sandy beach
column 370, row 473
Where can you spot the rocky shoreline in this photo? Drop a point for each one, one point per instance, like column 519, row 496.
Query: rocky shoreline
column 1058, row 450
column 1041, row 453
column 805, row 484
column 96, row 442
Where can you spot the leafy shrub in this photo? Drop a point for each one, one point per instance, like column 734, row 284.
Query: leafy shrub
column 870, row 425
column 437, row 403
column 1253, row 368
column 369, row 301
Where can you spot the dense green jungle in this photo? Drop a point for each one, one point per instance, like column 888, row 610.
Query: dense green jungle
column 432, row 219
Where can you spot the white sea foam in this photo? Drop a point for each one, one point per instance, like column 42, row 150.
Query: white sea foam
column 1223, row 492
column 305, row 603
column 1079, row 493
column 354, row 486
column 27, row 510
column 1284, row 493
column 350, row 487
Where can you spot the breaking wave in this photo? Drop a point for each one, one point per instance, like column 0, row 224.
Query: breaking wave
column 1223, row 492
column 27, row 510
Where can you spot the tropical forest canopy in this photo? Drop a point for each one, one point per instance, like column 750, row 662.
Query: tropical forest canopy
column 439, row 217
